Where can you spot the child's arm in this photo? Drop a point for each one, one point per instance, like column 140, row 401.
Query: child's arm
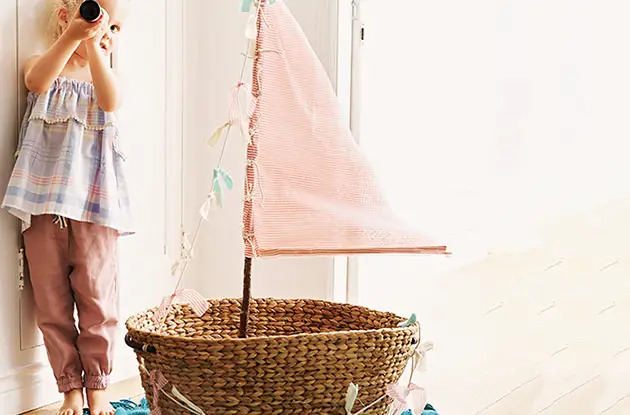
column 41, row 71
column 105, row 80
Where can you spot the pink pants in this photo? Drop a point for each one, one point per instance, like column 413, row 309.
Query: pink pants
column 75, row 265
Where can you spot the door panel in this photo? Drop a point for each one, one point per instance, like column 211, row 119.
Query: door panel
column 30, row 14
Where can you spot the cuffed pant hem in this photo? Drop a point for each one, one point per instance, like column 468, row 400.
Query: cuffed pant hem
column 69, row 382
column 97, row 381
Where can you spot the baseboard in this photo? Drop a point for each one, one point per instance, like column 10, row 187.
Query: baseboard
column 34, row 386
column 28, row 388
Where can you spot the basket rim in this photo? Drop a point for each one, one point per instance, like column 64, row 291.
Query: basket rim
column 414, row 327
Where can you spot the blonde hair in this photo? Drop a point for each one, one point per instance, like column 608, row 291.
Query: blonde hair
column 54, row 27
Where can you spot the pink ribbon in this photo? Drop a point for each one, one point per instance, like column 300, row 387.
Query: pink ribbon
column 158, row 382
column 184, row 296
column 401, row 394
column 235, row 108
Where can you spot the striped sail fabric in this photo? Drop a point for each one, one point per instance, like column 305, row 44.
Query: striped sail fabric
column 309, row 189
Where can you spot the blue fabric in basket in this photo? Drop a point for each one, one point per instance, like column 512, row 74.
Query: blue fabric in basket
column 428, row 410
column 127, row 407
column 131, row 408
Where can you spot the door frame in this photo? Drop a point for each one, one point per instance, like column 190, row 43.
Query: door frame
column 350, row 34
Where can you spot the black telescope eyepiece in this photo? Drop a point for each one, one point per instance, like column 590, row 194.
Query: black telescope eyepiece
column 90, row 10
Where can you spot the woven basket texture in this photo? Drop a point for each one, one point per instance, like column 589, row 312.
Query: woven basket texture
column 299, row 357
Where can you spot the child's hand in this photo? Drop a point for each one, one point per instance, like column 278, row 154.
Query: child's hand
column 79, row 29
column 102, row 29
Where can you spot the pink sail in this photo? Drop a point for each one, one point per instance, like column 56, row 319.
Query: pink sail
column 309, row 189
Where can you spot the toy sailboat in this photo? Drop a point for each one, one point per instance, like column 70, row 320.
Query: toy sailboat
column 308, row 191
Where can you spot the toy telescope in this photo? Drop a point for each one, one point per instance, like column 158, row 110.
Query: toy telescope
column 90, row 10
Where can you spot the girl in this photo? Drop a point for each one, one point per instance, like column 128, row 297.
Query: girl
column 68, row 189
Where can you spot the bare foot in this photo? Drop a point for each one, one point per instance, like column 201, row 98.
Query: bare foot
column 98, row 402
column 72, row 403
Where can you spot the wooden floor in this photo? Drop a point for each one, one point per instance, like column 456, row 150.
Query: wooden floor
column 124, row 390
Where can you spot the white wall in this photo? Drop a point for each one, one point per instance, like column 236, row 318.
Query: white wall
column 214, row 40
column 509, row 135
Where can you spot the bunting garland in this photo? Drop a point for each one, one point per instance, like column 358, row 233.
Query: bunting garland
column 407, row 396
column 238, row 115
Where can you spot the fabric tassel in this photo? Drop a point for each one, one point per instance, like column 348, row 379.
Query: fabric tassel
column 175, row 266
column 251, row 50
column 246, row 5
column 209, row 205
column 412, row 320
column 236, row 112
column 417, row 398
column 194, row 409
column 351, row 397
column 412, row 396
column 235, row 108
column 217, row 134
column 187, row 246
column 251, row 30
column 158, row 382
column 216, row 188
column 185, row 296
column 219, row 175
column 185, row 256
column 419, row 360
column 227, row 179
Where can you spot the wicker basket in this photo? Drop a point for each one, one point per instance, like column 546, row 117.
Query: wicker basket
column 299, row 359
